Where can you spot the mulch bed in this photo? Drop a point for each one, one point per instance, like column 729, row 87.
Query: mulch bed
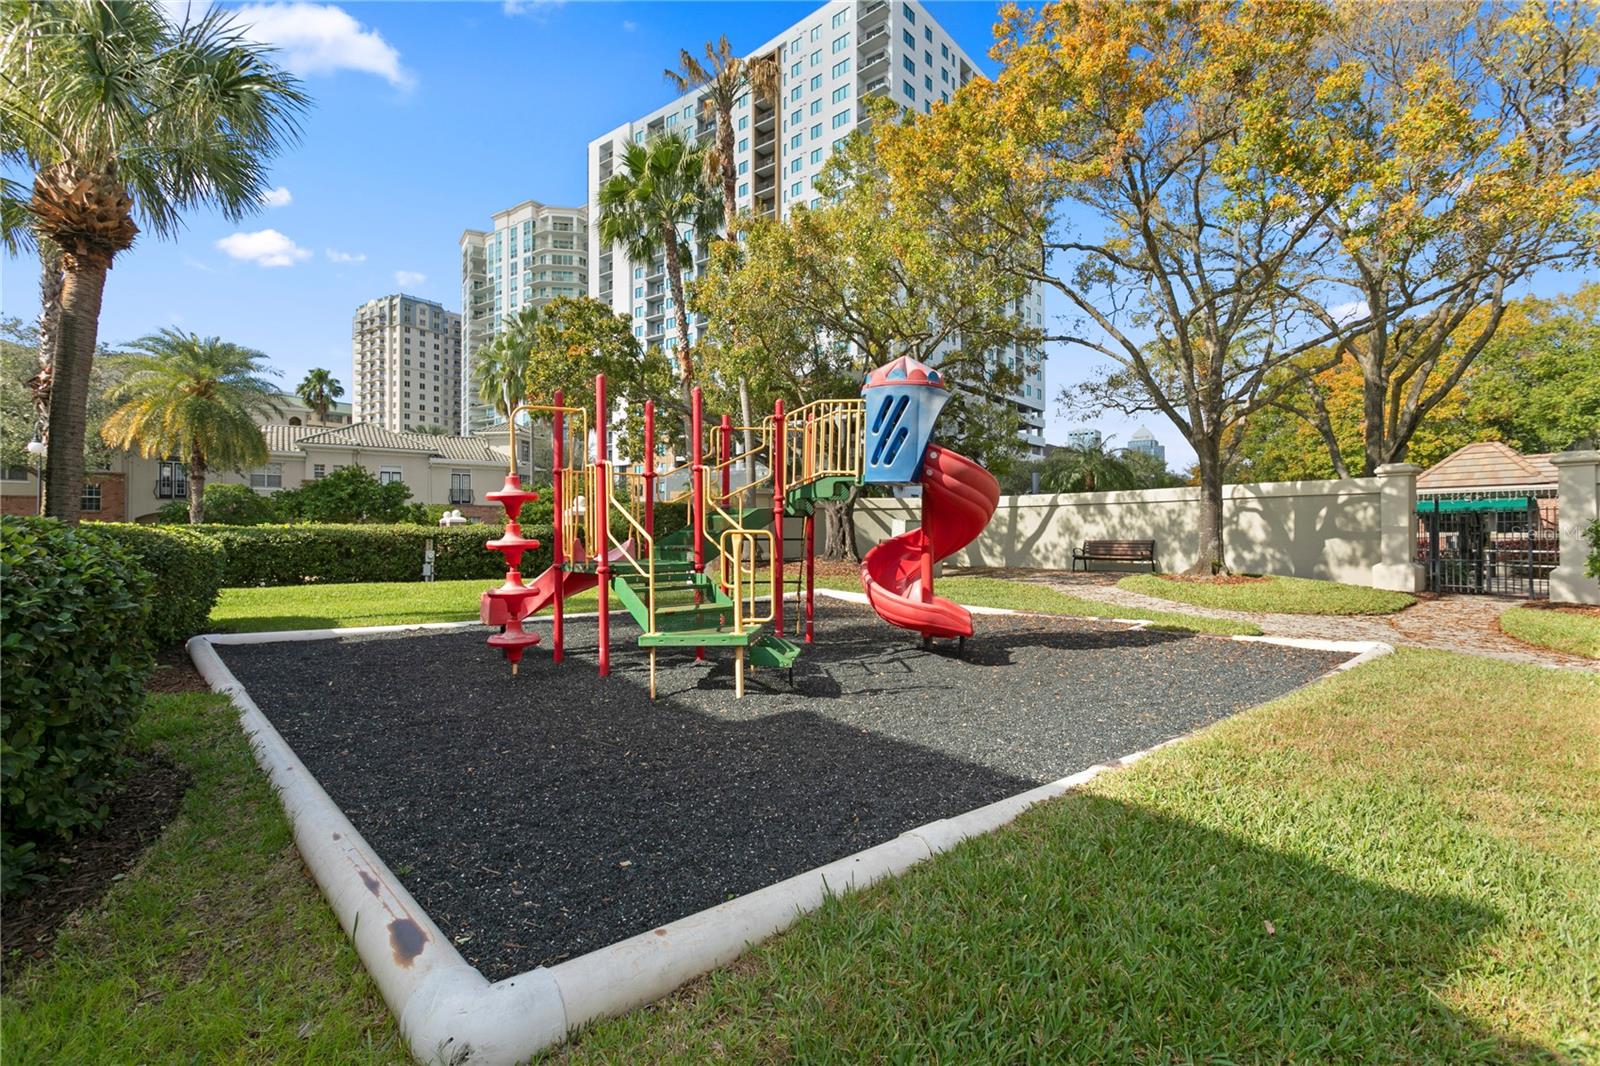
column 175, row 672
column 83, row 871
column 542, row 816
column 1216, row 579
column 1582, row 610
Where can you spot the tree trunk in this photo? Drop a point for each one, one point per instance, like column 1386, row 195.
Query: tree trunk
column 725, row 150
column 49, row 330
column 83, row 285
column 680, row 314
column 1374, row 391
column 197, row 487
column 749, row 432
column 1209, row 558
column 838, row 527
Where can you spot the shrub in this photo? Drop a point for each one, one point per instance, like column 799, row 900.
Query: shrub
column 175, row 513
column 324, row 554
column 76, row 655
column 229, row 504
column 186, row 568
column 348, row 495
column 1593, row 565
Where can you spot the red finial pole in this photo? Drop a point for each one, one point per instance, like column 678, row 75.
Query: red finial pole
column 557, row 558
column 778, row 489
column 599, row 522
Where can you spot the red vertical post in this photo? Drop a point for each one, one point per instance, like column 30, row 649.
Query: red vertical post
column 650, row 468
column 811, row 575
column 601, row 513
column 778, row 489
column 557, row 559
column 927, row 554
column 724, row 454
column 697, row 494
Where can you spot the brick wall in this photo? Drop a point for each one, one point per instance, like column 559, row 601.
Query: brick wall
column 113, row 497
column 19, row 504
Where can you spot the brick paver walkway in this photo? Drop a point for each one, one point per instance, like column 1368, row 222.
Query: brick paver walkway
column 1466, row 624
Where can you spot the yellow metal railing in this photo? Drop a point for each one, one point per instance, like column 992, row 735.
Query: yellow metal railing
column 822, row 439
column 735, row 577
column 647, row 570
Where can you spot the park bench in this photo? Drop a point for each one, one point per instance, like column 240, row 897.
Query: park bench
column 1116, row 551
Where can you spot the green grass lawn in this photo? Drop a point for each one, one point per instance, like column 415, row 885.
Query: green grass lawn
column 1393, row 864
column 1565, row 631
column 216, row 948
column 1042, row 599
column 332, row 606
column 1279, row 595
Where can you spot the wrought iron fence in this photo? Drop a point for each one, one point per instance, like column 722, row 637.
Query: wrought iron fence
column 1497, row 544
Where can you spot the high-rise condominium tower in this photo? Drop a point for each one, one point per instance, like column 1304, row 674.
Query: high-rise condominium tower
column 407, row 356
column 830, row 61
column 533, row 254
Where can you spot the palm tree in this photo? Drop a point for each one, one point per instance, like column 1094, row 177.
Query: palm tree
column 120, row 113
column 660, row 190
column 500, row 368
column 319, row 390
column 1086, row 468
column 725, row 77
column 196, row 397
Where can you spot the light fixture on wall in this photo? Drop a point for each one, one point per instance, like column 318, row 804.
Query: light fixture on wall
column 37, row 449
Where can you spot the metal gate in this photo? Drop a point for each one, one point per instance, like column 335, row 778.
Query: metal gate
column 1496, row 544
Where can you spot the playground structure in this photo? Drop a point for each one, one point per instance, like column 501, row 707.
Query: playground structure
column 700, row 586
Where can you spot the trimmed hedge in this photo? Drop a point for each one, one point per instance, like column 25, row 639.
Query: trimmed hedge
column 186, row 567
column 255, row 556
column 75, row 652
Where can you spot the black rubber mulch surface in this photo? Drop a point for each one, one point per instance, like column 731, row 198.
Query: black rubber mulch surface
column 539, row 817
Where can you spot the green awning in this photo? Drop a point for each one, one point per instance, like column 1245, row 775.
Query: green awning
column 1504, row 503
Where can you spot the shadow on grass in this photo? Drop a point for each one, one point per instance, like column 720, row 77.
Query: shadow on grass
column 1099, row 931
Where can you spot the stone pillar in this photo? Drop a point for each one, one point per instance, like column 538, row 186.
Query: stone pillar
column 1397, row 567
column 1579, row 507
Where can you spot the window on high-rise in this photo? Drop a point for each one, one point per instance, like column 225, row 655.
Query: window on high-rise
column 744, row 189
column 909, row 63
column 944, row 51
column 794, row 142
column 841, row 68
column 816, row 32
column 794, row 190
column 744, row 166
column 816, row 57
column 927, row 83
column 911, row 16
column 794, row 119
column 744, row 122
column 816, row 131
column 905, row 35
column 909, row 89
column 841, row 94
column 816, row 83
column 794, row 71
column 841, row 42
column 794, row 94
column 816, row 106
column 842, row 118
column 816, row 156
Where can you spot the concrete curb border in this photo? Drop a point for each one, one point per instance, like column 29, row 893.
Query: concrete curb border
column 449, row 1013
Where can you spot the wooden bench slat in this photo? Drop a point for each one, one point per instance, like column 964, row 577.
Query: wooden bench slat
column 1116, row 551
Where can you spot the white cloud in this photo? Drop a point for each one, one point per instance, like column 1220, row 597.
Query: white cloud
column 335, row 256
column 279, row 197
column 529, row 7
column 265, row 247
column 628, row 25
column 194, row 264
column 323, row 39
column 408, row 278
column 1344, row 314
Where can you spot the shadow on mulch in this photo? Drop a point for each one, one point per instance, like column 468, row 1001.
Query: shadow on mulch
column 83, row 871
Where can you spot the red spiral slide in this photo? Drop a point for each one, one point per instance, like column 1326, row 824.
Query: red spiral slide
column 958, row 499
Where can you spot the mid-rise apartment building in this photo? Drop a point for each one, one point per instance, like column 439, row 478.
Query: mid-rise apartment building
column 407, row 362
column 533, row 253
column 831, row 61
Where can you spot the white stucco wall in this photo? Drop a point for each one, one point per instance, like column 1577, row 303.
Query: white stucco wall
column 1317, row 529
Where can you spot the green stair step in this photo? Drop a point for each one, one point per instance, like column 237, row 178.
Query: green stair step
column 769, row 650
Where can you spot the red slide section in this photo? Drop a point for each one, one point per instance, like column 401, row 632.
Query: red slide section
column 958, row 499
column 492, row 609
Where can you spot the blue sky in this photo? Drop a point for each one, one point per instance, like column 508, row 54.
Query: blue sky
column 427, row 117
